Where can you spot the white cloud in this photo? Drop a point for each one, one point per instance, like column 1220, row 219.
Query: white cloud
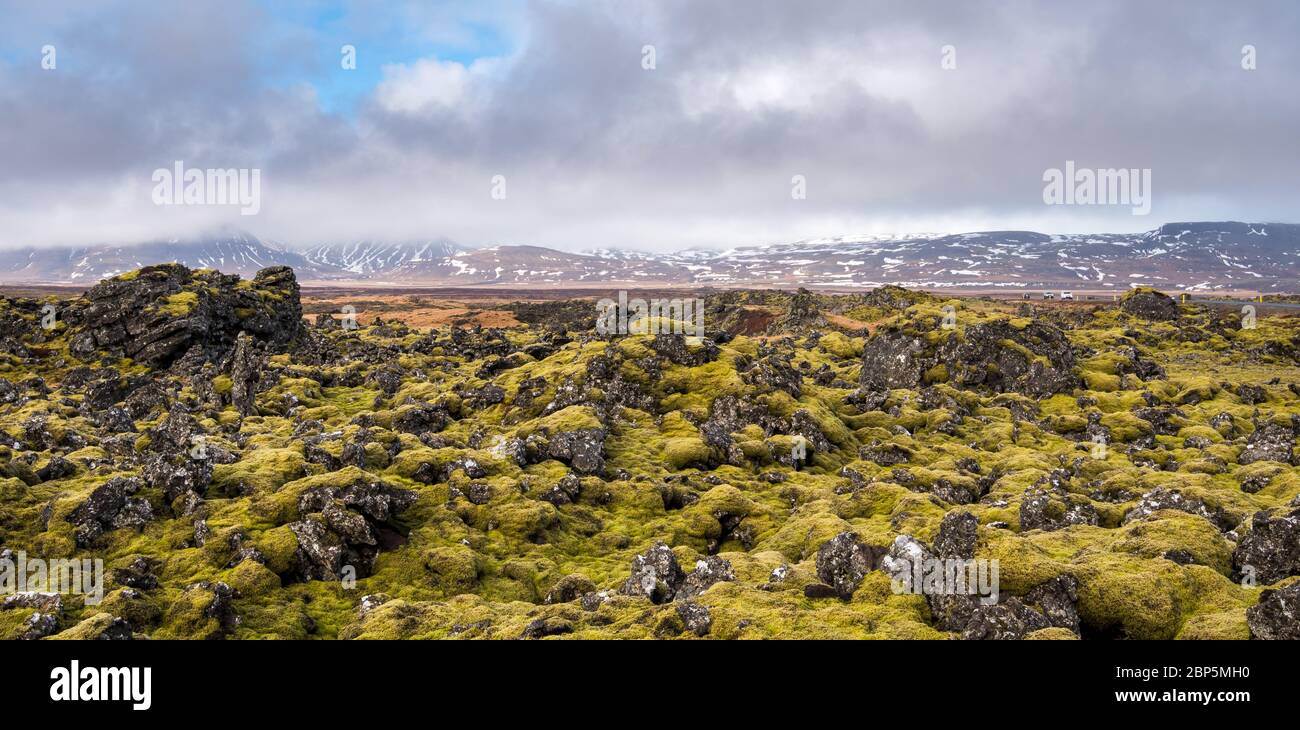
column 430, row 85
column 599, row 151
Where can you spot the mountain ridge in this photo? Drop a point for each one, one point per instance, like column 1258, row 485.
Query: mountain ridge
column 1196, row 255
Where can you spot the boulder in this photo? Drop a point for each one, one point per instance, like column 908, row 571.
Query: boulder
column 957, row 536
column 1269, row 442
column 844, row 560
column 110, row 506
column 1010, row 620
column 695, row 617
column 1277, row 615
column 655, row 575
column 1149, row 304
column 709, row 571
column 1271, row 550
column 1050, row 510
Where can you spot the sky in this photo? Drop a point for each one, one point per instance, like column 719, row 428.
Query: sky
column 545, row 123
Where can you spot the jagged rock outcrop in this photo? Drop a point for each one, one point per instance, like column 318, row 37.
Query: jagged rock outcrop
column 155, row 315
column 343, row 527
column 582, row 449
column 657, row 575
column 1036, row 360
column 801, row 316
column 110, row 506
column 246, row 364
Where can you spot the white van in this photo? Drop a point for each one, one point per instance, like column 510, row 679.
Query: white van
column 1067, row 295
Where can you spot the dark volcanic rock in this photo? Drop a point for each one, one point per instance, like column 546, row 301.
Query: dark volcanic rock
column 177, row 475
column 246, row 365
column 1149, row 304
column 957, row 535
column 582, row 449
column 800, row 316
column 344, row 527
column 216, row 601
column 1045, row 510
column 893, row 360
column 729, row 414
column 1058, row 600
column 1162, row 498
column 843, row 561
column 695, row 617
column 655, row 575
column 774, row 372
column 564, row 491
column 1011, row 620
column 994, row 356
column 111, row 506
column 709, row 571
column 1271, row 550
column 1277, row 615
column 38, row 626
column 157, row 314
column 377, row 501
column 885, row 453
column 421, row 418
column 1269, row 442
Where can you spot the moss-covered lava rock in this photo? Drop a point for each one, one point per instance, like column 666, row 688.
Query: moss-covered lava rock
column 1117, row 470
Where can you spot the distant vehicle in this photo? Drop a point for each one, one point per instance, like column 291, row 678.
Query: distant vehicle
column 1025, row 296
column 1048, row 295
column 1067, row 295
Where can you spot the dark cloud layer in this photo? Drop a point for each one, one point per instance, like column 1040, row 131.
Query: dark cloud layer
column 597, row 151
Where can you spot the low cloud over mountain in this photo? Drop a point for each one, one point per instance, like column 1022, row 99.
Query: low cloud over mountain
column 1202, row 256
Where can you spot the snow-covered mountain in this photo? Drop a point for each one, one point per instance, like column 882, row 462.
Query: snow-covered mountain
column 1199, row 256
column 232, row 252
column 369, row 258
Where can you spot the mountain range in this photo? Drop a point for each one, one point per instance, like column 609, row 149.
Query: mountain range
column 1202, row 256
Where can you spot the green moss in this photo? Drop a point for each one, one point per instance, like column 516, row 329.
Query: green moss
column 259, row 471
column 89, row 629
column 481, row 546
column 1173, row 531
column 1052, row 634
column 179, row 305
column 682, row 452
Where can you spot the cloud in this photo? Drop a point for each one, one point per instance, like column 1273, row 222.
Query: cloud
column 429, row 85
column 598, row 151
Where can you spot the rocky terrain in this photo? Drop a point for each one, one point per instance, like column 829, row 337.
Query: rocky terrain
column 245, row 473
